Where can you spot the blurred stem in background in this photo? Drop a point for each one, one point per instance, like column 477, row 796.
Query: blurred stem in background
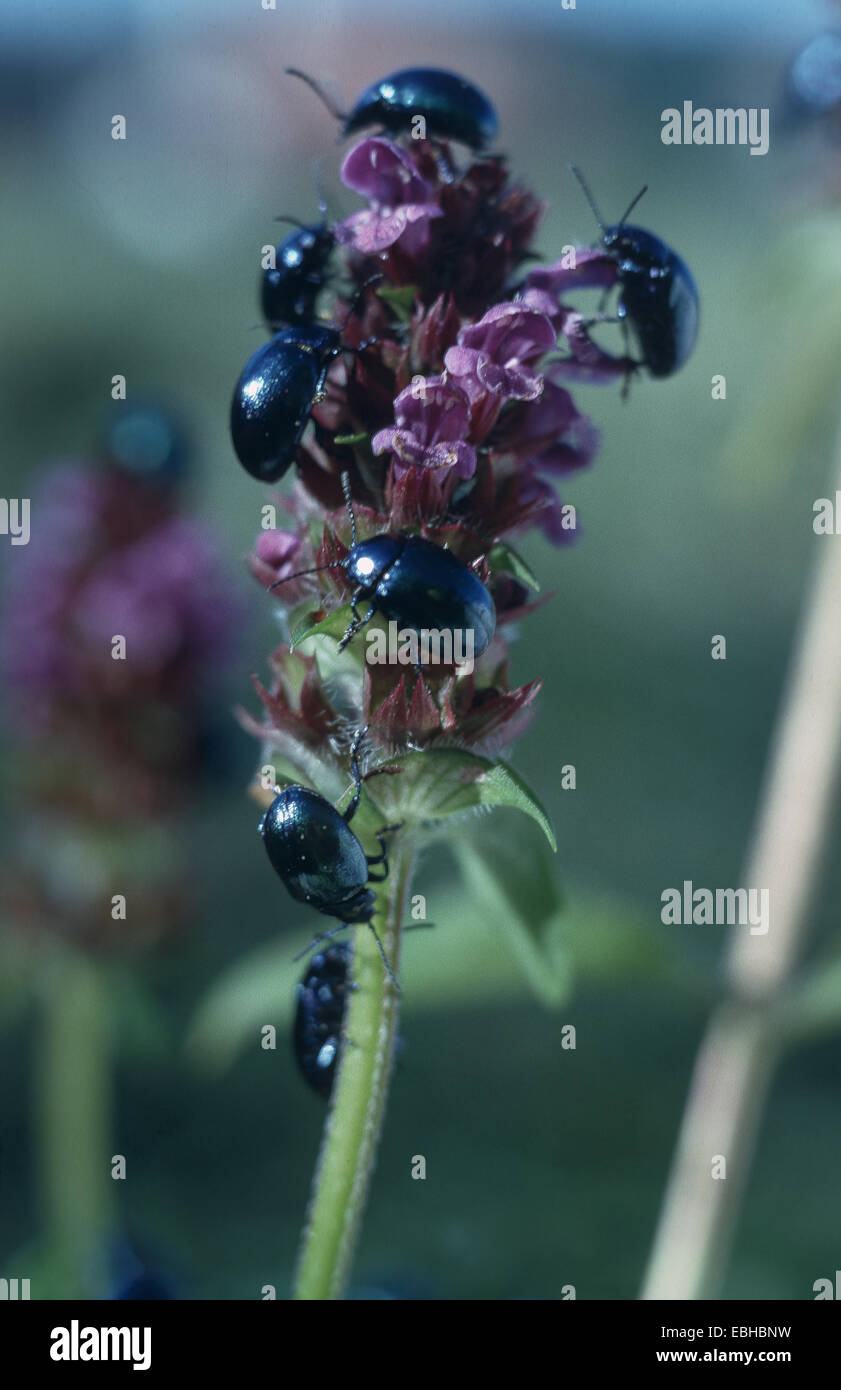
column 357, row 1107
column 736, row 1062
column 108, row 716
column 73, row 1097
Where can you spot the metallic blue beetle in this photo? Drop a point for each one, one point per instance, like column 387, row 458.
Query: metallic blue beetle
column 659, row 296
column 320, row 860
column 321, row 998
column 452, row 108
column 289, row 292
column 420, row 586
column 313, row 849
column 273, row 398
column 413, row 582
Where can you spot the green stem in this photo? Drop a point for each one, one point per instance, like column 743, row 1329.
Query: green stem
column 73, row 1120
column 357, row 1108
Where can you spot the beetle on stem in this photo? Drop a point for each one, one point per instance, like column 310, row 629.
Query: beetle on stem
column 319, row 858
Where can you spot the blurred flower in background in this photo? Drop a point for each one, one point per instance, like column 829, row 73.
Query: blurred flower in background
column 117, row 621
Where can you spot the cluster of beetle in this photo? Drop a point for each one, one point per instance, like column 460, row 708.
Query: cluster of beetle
column 406, row 578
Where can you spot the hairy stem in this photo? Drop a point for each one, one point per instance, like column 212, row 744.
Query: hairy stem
column 73, row 1117
column 357, row 1107
column 737, row 1057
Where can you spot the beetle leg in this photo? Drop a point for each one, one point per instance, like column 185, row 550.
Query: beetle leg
column 605, row 297
column 602, row 318
column 351, row 810
column 633, row 366
column 445, row 168
column 358, row 620
column 382, row 858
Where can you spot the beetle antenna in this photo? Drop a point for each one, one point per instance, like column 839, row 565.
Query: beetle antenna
column 343, row 926
column 349, row 505
column 629, row 209
column 319, row 91
column 585, row 188
column 322, row 936
column 316, row 569
column 359, row 296
column 293, row 221
column 388, row 970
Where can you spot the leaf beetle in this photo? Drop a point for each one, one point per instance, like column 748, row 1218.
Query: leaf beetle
column 320, row 860
column 289, row 291
column 277, row 389
column 451, row 107
column 413, row 582
column 659, row 296
column 321, row 998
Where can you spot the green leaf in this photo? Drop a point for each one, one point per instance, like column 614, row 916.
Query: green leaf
column 504, row 560
column 437, row 970
column 517, row 884
column 401, row 298
column 437, row 783
column 505, row 909
column 334, row 625
column 256, row 990
column 351, row 438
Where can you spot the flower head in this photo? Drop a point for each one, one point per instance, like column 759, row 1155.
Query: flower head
column 431, row 420
column 452, row 419
column 496, row 355
column 115, row 617
column 401, row 202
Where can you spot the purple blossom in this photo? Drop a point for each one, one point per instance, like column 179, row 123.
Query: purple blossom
column 278, row 549
column 551, row 433
column 432, row 418
column 543, row 291
column 593, row 269
column 494, row 356
column 163, row 594
column 534, row 488
column 105, row 559
column 401, row 202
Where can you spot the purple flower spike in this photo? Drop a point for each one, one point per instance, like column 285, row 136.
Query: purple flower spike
column 401, row 201
column 432, row 418
column 493, row 355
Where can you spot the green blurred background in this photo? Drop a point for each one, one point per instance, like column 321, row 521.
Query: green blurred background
column 545, row 1166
